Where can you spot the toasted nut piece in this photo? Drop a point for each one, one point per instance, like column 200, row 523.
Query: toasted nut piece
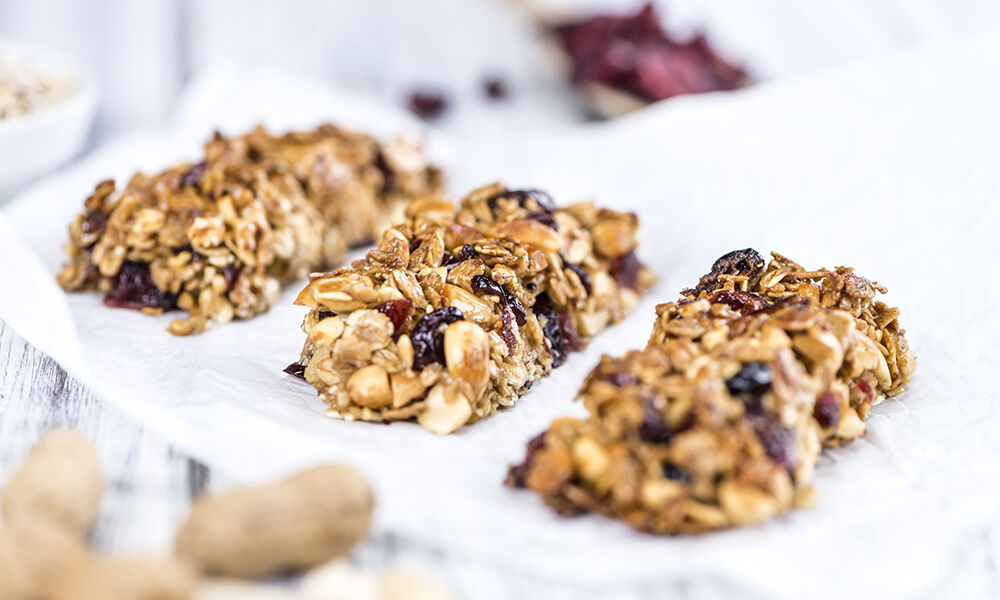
column 402, row 585
column 235, row 589
column 430, row 208
column 297, row 523
column 613, row 238
column 327, row 331
column 444, row 412
column 60, row 482
column 471, row 305
column 746, row 504
column 590, row 458
column 529, row 232
column 131, row 579
column 339, row 580
column 369, row 387
column 406, row 386
column 467, row 353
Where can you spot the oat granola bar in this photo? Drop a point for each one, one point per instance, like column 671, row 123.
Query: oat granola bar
column 458, row 311
column 218, row 238
column 719, row 421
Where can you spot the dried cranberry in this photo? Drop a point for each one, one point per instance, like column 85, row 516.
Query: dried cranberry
column 388, row 175
column 625, row 269
column 192, row 177
column 779, row 441
column 427, row 337
column 483, row 284
column 544, row 218
column 582, row 274
column 865, row 388
column 94, row 222
column 634, row 53
column 561, row 342
column 742, row 302
column 672, row 471
column 653, row 428
column 570, row 334
column 542, row 199
column 753, row 378
column 827, row 410
column 507, row 320
column 495, row 88
column 427, row 104
column 133, row 287
column 746, row 262
column 397, row 311
column 517, row 475
column 296, row 370
column 232, row 274
column 466, row 252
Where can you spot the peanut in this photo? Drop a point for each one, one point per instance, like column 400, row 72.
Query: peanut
column 293, row 524
column 31, row 554
column 369, row 386
column 60, row 482
column 124, row 579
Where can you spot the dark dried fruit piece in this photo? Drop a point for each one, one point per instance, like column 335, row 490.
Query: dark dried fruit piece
column 672, row 471
column 558, row 329
column 582, row 274
column 296, row 370
column 427, row 104
column 746, row 262
column 466, row 252
column 540, row 198
column 866, row 389
column 231, row 272
column 507, row 321
column 620, row 378
column 397, row 311
column 544, row 218
column 483, row 284
column 94, row 222
column 753, row 379
column 744, row 303
column 653, row 428
column 427, row 337
column 192, row 177
column 495, row 88
column 625, row 269
column 517, row 475
column 778, row 441
column 827, row 410
column 388, row 175
column 133, row 287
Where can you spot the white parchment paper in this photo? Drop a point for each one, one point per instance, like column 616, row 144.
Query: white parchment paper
column 891, row 167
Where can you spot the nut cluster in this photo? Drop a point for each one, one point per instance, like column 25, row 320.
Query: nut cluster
column 458, row 311
column 719, row 421
column 220, row 237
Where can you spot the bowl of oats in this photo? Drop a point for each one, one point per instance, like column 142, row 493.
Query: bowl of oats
column 46, row 110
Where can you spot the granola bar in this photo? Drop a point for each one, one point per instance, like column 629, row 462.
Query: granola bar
column 458, row 311
column 719, row 421
column 218, row 238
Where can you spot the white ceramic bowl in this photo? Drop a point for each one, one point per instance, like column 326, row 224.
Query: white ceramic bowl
column 39, row 141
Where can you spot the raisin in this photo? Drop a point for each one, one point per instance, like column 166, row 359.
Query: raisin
column 543, row 217
column 778, row 441
column 133, row 287
column 742, row 302
column 232, row 274
column 323, row 314
column 192, row 177
column 827, row 410
column 427, row 337
column 653, row 429
column 746, row 262
column 582, row 274
column 540, row 198
column 675, row 473
column 570, row 334
column 625, row 269
column 397, row 311
column 517, row 475
column 484, row 284
column 495, row 88
column 296, row 370
column 560, row 341
column 754, row 378
column 427, row 104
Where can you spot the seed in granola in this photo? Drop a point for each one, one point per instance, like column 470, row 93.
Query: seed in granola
column 779, row 441
column 653, row 429
column 192, row 177
column 296, row 370
column 484, row 284
column 428, row 338
column 746, row 262
column 625, row 269
column 133, row 287
column 753, row 379
column 427, row 104
column 582, row 274
column 397, row 311
column 543, row 217
column 827, row 411
column 742, row 302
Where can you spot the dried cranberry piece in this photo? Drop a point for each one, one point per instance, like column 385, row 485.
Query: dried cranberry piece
column 296, row 370
column 747, row 262
column 827, row 410
column 560, row 342
column 625, row 269
column 742, row 302
column 544, row 218
column 653, row 428
column 397, row 311
column 133, row 287
column 192, row 177
column 94, row 222
column 517, row 475
column 507, row 320
column 672, row 471
column 427, row 104
column 542, row 199
column 865, row 388
column 232, row 274
column 483, row 284
column 582, row 274
column 427, row 337
column 466, row 252
column 570, row 334
column 495, row 88
column 779, row 441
